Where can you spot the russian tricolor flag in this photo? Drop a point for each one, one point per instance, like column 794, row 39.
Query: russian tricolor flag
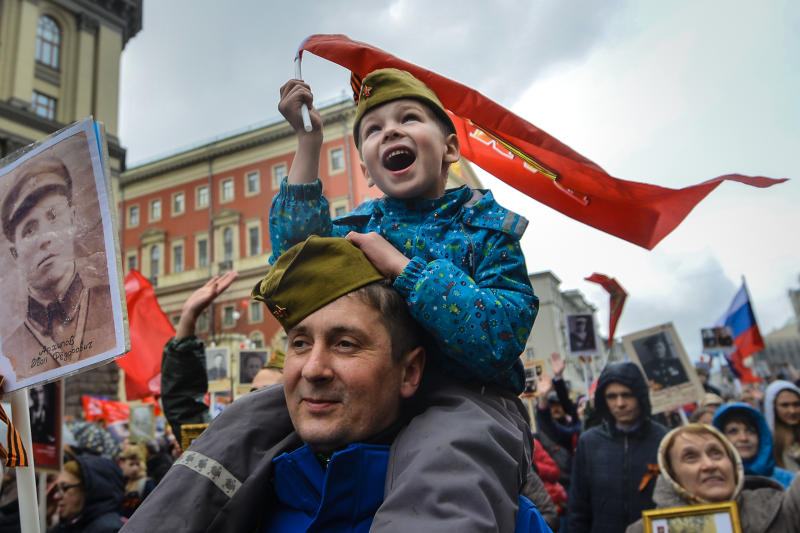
column 746, row 336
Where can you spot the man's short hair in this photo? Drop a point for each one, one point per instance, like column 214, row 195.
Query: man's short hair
column 405, row 333
column 36, row 179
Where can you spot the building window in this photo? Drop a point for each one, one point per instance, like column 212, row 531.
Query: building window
column 227, row 190
column 178, row 203
column 228, row 318
column 257, row 339
column 256, row 312
column 340, row 211
column 227, row 245
column 154, row 261
column 133, row 216
column 337, row 160
column 131, row 262
column 44, row 106
column 48, row 42
column 278, row 173
column 253, row 183
column 177, row 258
column 175, row 319
column 254, row 238
column 202, row 253
column 155, row 210
column 201, row 197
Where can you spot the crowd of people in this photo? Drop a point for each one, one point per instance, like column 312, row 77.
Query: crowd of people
column 397, row 405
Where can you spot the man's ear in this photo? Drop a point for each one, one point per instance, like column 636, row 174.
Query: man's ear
column 13, row 251
column 452, row 148
column 413, row 364
column 370, row 181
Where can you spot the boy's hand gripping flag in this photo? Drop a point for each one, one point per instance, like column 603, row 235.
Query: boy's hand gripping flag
column 532, row 161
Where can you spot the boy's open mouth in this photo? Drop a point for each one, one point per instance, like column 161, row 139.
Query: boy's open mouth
column 398, row 159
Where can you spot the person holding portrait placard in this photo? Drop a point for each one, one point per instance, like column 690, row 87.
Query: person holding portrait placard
column 64, row 318
column 698, row 465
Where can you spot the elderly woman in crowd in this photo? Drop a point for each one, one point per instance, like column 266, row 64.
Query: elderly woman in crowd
column 699, row 465
column 88, row 493
column 782, row 411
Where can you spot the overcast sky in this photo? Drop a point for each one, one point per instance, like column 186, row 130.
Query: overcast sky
column 669, row 93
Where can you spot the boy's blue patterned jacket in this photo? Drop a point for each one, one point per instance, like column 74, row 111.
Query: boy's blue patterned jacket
column 467, row 283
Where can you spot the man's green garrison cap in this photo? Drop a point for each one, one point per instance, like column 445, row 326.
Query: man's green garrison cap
column 310, row 275
column 387, row 84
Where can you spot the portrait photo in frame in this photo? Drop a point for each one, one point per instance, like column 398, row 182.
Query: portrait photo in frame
column 533, row 369
column 64, row 305
column 670, row 376
column 46, row 407
column 250, row 362
column 218, row 364
column 707, row 518
column 581, row 338
column 142, row 422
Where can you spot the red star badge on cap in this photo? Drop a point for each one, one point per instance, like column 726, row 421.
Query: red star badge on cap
column 365, row 91
column 279, row 312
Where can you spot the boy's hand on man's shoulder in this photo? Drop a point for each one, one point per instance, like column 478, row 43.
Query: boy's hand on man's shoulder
column 295, row 93
column 387, row 259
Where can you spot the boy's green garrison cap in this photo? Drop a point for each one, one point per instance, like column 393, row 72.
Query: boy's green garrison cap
column 387, row 84
column 310, row 275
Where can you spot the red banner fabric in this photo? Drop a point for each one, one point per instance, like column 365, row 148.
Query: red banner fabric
column 536, row 163
column 617, row 296
column 150, row 330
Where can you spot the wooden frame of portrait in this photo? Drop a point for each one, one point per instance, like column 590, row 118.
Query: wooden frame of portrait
column 72, row 162
column 724, row 517
column 581, row 343
column 189, row 432
column 680, row 383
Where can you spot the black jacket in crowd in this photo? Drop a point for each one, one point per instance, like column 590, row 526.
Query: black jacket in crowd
column 610, row 465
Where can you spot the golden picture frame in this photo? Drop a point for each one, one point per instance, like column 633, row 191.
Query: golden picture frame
column 189, row 432
column 707, row 518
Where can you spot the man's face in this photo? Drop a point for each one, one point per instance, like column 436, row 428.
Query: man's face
column 557, row 411
column 580, row 326
column 404, row 150
column 744, row 438
column 253, row 366
column 660, row 349
column 622, row 403
column 219, row 361
column 340, row 382
column 44, row 242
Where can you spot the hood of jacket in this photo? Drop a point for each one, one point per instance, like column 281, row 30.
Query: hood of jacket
column 669, row 493
column 103, row 487
column 769, row 399
column 631, row 376
column 763, row 463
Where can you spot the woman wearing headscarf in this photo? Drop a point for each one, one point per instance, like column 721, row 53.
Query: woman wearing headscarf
column 782, row 411
column 88, row 493
column 699, row 465
column 747, row 430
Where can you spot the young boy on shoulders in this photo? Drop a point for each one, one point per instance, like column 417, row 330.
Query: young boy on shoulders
column 455, row 256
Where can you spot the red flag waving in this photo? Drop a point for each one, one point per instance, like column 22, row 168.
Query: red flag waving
column 150, row 330
column 617, row 297
column 536, row 163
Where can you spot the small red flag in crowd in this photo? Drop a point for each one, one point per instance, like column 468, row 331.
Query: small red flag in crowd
column 150, row 330
column 617, row 296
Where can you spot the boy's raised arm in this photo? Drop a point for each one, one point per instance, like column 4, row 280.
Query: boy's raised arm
column 305, row 166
